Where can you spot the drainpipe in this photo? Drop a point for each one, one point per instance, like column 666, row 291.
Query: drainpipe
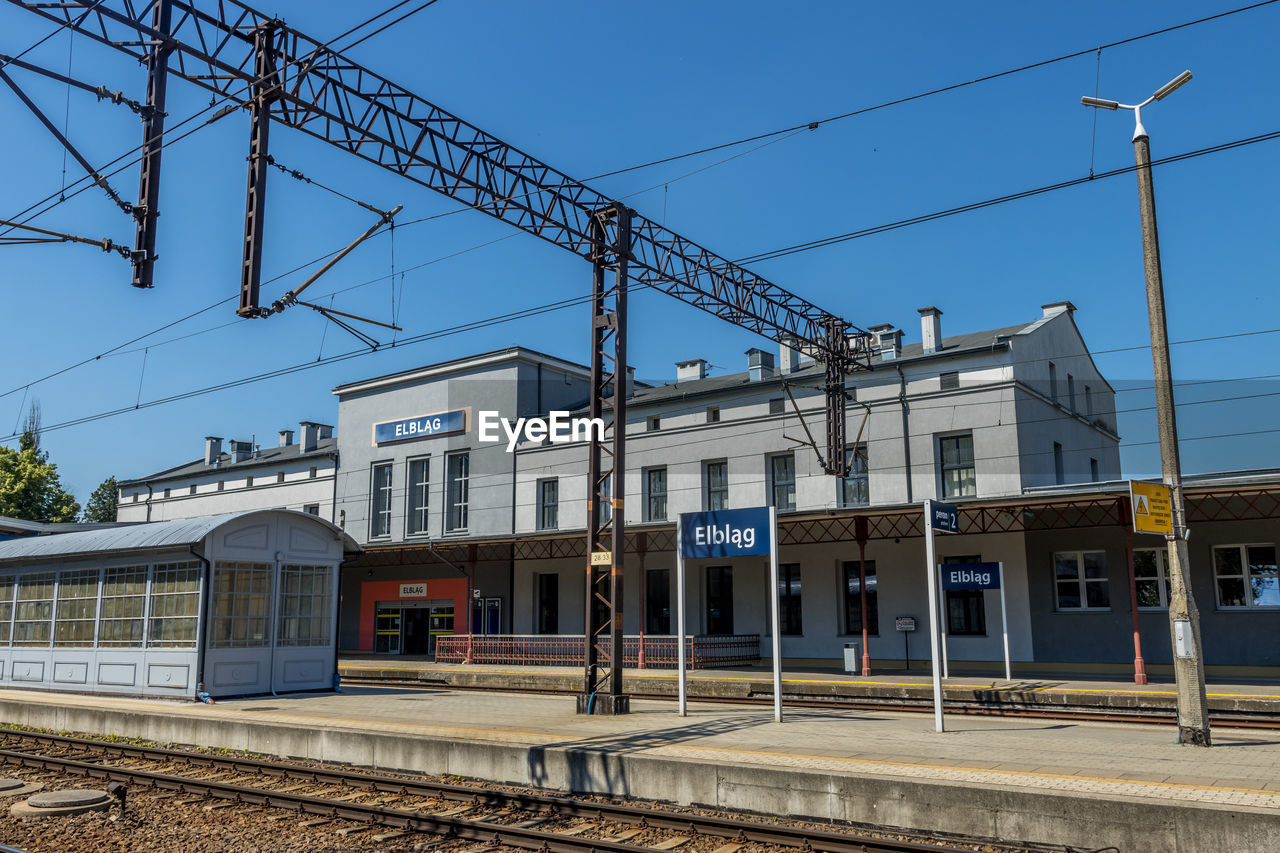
column 906, row 433
column 149, row 493
column 202, row 635
column 333, row 506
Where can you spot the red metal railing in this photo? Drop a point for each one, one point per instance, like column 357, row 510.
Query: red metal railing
column 704, row 651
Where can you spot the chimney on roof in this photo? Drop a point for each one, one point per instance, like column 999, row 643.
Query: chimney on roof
column 759, row 364
column 241, row 450
column 887, row 341
column 310, row 435
column 212, row 449
column 688, row 371
column 788, row 357
column 286, row 437
column 1055, row 308
column 931, row 329
column 326, row 431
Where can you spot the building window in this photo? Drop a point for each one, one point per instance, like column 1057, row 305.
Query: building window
column 380, row 501
column 713, row 414
column 1053, row 382
column 777, row 406
column 1246, row 576
column 33, row 610
column 716, row 484
column 1093, row 470
column 166, row 492
column 854, row 489
column 548, row 504
column 782, row 479
column 789, row 600
column 1071, row 392
column 959, row 479
column 458, row 490
column 248, row 482
column 1088, row 401
column 124, row 596
column 222, row 484
column 1081, row 581
column 655, row 494
column 418, row 491
column 135, row 494
column 657, row 601
column 949, row 381
column 193, row 489
column 7, row 585
column 966, row 608
column 1151, row 578
column 77, row 608
column 175, row 602
column 1059, row 467
column 548, row 614
column 653, row 423
column 853, row 598
column 312, row 473
column 311, row 509
column 719, row 599
column 241, row 602
column 306, row 605
column 279, row 476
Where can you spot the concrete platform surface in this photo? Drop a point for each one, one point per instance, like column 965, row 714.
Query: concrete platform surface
column 809, row 682
column 1084, row 784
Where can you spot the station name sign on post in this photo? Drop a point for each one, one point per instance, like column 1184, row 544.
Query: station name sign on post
column 969, row 576
column 725, row 533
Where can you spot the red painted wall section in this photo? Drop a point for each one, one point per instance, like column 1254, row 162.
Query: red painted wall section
column 438, row 589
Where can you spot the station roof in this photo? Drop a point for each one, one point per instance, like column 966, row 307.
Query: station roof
column 265, row 458
column 151, row 536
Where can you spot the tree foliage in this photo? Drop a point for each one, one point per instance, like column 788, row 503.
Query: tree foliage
column 29, row 484
column 102, row 503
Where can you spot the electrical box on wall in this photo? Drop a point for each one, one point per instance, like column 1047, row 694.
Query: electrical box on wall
column 1182, row 645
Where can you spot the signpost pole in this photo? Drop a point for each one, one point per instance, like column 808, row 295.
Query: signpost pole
column 774, row 607
column 680, row 662
column 942, row 627
column 932, row 575
column 1004, row 627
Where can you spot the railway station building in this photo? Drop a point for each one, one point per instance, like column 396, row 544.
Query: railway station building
column 465, row 535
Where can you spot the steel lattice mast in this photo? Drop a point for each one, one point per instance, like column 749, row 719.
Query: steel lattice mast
column 249, row 59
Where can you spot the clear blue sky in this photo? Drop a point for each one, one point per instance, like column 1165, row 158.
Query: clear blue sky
column 590, row 87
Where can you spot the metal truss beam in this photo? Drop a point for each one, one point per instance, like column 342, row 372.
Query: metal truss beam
column 147, row 211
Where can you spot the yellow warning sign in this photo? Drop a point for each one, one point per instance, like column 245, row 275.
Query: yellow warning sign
column 601, row 558
column 1152, row 507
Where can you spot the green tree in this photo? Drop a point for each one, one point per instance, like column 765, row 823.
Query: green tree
column 102, row 503
column 29, row 484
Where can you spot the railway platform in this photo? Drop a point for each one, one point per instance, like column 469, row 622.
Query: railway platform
column 1086, row 784
column 1092, row 694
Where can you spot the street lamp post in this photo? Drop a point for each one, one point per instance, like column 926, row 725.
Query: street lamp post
column 1184, row 618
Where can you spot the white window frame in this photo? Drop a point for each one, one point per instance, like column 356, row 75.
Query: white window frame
column 775, row 483
column 543, row 504
column 1081, row 580
column 457, row 492
column 417, row 497
column 707, row 489
column 852, row 454
column 377, row 530
column 1246, row 574
column 943, row 468
column 650, row 495
column 1161, row 578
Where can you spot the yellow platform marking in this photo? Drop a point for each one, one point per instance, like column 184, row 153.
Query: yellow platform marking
column 765, row 676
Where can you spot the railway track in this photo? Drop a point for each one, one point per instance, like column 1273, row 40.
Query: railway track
column 923, row 706
column 486, row 816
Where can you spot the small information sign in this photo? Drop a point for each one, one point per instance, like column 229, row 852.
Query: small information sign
column 904, row 623
column 422, row 426
column 413, row 590
column 1152, row 507
column 944, row 518
column 601, row 558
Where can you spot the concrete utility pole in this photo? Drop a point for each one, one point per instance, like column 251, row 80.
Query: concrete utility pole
column 1184, row 618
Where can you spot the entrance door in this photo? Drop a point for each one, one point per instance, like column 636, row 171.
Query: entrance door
column 387, row 631
column 416, row 638
column 441, row 622
column 493, row 615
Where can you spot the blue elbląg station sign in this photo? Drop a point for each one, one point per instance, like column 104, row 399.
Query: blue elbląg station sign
column 958, row 576
column 422, row 426
column 725, row 533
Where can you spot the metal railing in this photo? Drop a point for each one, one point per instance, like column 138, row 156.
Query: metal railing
column 704, row 651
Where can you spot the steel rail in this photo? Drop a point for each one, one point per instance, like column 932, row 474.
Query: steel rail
column 529, row 838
